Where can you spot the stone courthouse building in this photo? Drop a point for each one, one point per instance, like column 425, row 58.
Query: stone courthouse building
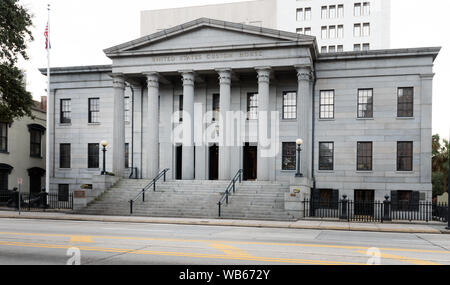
column 364, row 116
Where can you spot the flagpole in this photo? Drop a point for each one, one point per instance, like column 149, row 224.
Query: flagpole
column 47, row 147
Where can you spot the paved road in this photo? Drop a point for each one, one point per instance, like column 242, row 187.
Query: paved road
column 53, row 242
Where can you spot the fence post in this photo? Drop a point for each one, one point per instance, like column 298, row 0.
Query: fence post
column 143, row 195
column 344, row 214
column 220, row 204
column 154, row 185
column 386, row 209
column 131, row 207
column 234, row 186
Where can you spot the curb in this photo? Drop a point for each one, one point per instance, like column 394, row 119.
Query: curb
column 233, row 223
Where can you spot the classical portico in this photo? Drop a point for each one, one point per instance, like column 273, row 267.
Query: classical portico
column 239, row 58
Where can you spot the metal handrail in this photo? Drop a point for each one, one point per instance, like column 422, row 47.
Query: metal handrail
column 232, row 185
column 146, row 188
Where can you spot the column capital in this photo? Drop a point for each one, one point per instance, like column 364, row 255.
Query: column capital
column 118, row 80
column 263, row 73
column 188, row 77
column 304, row 73
column 152, row 79
column 224, row 75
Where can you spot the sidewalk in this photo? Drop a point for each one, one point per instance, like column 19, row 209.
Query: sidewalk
column 431, row 228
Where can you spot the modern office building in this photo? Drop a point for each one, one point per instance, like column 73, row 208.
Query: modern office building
column 364, row 116
column 339, row 25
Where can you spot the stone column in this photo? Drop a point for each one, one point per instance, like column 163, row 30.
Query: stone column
column 118, row 146
column 303, row 110
column 263, row 123
column 152, row 145
column 188, row 125
column 224, row 131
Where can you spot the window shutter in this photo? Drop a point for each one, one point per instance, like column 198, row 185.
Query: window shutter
column 414, row 201
column 335, row 199
column 394, row 200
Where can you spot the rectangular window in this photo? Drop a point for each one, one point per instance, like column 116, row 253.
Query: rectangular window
column 300, row 14
column 127, row 109
column 332, row 32
column 366, row 29
column 307, row 14
column 324, row 32
column 252, row 106
column 94, row 110
column 323, row 49
column 340, row 48
column 327, row 104
column 127, row 155
column 366, row 8
column 299, row 30
column 3, row 137
column 366, row 47
column 35, row 143
column 357, row 30
column 93, row 155
column 180, row 107
column 65, row 116
column 405, row 102
column 404, row 156
column 324, row 12
column 332, row 49
column 403, row 199
column 289, row 156
column 289, row 105
column 341, row 11
column 326, row 155
column 216, row 107
column 364, row 156
column 64, row 155
column 332, row 11
column 357, row 10
column 3, row 180
column 340, row 32
column 308, row 31
column 365, row 103
column 63, row 192
column 356, row 47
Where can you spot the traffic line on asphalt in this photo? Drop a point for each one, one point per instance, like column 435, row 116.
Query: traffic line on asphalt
column 230, row 250
column 180, row 254
column 232, row 242
column 410, row 260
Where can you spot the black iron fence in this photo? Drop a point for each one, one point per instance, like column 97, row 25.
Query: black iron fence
column 375, row 211
column 36, row 202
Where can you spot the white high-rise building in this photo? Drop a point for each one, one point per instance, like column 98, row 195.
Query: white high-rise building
column 339, row 25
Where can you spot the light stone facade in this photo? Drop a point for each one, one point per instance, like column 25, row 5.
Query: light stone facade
column 206, row 57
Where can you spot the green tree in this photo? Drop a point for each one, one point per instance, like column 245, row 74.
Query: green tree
column 440, row 165
column 15, row 23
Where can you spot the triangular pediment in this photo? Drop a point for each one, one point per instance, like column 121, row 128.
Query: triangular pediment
column 206, row 33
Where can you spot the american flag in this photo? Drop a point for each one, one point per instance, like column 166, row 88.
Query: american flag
column 47, row 42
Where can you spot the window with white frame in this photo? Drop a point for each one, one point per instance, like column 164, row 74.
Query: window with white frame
column 366, row 47
column 332, row 32
column 299, row 30
column 357, row 10
column 307, row 14
column 308, row 31
column 300, row 14
column 340, row 11
column 366, row 9
column 366, row 29
column 332, row 49
column 323, row 49
column 357, row 47
column 324, row 32
column 332, row 11
column 324, row 12
column 340, row 31
column 357, row 30
column 340, row 48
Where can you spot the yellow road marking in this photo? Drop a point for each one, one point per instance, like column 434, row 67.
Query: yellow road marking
column 230, row 250
column 232, row 242
column 181, row 254
column 405, row 259
column 81, row 239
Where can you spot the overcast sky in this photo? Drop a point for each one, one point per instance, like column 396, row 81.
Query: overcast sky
column 81, row 29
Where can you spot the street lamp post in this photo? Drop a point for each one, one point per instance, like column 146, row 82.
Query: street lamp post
column 104, row 145
column 299, row 143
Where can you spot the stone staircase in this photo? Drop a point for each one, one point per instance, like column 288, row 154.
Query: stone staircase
column 194, row 199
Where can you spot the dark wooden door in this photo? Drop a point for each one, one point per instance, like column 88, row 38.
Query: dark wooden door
column 179, row 162
column 250, row 162
column 213, row 162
